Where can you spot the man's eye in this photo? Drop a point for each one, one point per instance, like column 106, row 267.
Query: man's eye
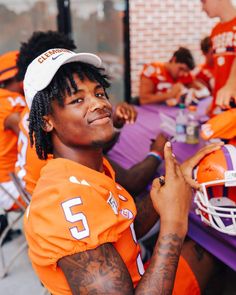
column 101, row 95
column 77, row 100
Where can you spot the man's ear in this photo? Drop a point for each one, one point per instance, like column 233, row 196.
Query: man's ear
column 47, row 124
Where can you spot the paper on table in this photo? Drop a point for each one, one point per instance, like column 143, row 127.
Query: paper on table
column 167, row 124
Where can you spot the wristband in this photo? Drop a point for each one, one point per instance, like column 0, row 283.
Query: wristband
column 117, row 130
column 156, row 155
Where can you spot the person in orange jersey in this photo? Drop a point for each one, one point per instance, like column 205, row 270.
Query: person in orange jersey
column 161, row 82
column 123, row 113
column 81, row 225
column 224, row 51
column 12, row 103
column 205, row 71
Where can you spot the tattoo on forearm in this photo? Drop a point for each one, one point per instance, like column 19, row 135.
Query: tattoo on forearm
column 159, row 277
column 102, row 271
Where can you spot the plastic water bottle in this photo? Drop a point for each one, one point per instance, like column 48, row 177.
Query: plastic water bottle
column 192, row 129
column 181, row 123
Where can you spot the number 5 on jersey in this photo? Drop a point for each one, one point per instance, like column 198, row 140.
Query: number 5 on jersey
column 75, row 218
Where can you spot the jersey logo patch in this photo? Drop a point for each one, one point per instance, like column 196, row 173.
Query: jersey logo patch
column 206, row 130
column 73, row 179
column 112, row 202
column 127, row 213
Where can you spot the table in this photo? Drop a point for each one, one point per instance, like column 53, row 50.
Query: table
column 133, row 146
column 218, row 244
column 135, row 139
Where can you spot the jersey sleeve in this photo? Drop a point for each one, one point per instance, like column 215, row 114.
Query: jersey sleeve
column 72, row 219
column 152, row 71
column 10, row 105
column 220, row 126
column 148, row 71
column 187, row 79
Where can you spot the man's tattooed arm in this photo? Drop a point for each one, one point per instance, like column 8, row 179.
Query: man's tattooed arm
column 160, row 275
column 102, row 270
column 98, row 271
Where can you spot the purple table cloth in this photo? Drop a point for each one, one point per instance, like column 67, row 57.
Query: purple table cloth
column 218, row 244
column 135, row 139
column 133, row 146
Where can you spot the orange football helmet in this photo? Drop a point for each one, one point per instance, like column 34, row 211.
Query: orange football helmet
column 216, row 200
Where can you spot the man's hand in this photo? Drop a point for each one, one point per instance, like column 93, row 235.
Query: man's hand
column 159, row 143
column 176, row 90
column 172, row 200
column 124, row 113
column 188, row 165
column 225, row 95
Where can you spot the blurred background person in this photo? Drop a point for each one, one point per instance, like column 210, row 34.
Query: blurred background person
column 205, row 71
column 12, row 104
column 162, row 81
column 224, row 51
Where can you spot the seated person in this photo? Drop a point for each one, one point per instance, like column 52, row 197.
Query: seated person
column 164, row 81
column 12, row 103
column 204, row 72
column 134, row 179
column 80, row 220
column 224, row 53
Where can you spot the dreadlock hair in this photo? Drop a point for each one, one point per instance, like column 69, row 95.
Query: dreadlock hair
column 38, row 43
column 184, row 55
column 62, row 83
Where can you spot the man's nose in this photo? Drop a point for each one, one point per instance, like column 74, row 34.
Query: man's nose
column 96, row 103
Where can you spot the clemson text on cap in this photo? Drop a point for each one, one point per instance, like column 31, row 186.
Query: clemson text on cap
column 47, row 54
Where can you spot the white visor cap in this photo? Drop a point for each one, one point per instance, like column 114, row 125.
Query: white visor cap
column 42, row 69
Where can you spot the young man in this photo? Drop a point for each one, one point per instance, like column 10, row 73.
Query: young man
column 161, row 82
column 12, row 103
column 205, row 71
column 80, row 223
column 224, row 50
column 134, row 180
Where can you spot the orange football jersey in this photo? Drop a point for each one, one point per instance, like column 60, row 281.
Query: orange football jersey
column 220, row 126
column 10, row 102
column 28, row 164
column 205, row 74
column 74, row 209
column 160, row 77
column 223, row 38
